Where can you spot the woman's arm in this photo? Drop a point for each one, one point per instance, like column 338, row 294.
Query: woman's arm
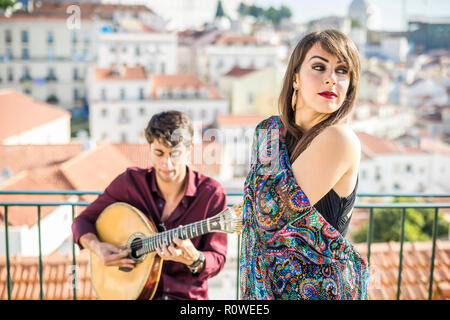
column 334, row 152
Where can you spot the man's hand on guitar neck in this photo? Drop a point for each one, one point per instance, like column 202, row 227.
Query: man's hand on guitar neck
column 180, row 251
column 109, row 254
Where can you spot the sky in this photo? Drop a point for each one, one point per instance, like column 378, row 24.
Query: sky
column 389, row 14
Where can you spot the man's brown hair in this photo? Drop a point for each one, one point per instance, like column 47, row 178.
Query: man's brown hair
column 170, row 128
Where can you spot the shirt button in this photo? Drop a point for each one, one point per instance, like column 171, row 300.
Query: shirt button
column 168, row 289
column 166, row 298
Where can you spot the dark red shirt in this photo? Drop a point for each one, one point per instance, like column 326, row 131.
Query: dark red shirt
column 204, row 197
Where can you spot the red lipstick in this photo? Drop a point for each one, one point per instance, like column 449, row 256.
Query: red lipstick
column 328, row 94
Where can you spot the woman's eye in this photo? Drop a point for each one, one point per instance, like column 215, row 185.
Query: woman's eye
column 318, row 67
column 342, row 70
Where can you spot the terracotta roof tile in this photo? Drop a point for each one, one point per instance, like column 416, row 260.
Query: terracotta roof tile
column 13, row 105
column 120, row 73
column 180, row 81
column 237, row 71
column 56, row 278
column 236, row 39
column 415, row 271
column 88, row 10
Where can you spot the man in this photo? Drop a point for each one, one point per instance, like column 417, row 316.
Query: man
column 171, row 194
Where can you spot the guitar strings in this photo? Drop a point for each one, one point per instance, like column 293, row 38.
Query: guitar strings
column 162, row 237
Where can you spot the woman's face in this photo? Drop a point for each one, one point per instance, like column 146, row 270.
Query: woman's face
column 322, row 81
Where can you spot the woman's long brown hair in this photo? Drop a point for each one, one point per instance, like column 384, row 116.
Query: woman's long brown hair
column 337, row 44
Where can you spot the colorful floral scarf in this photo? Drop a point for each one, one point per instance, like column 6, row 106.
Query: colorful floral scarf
column 288, row 250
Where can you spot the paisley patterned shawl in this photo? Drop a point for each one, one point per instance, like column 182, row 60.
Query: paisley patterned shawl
column 288, row 250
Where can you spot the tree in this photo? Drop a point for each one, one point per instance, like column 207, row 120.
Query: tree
column 387, row 224
column 219, row 11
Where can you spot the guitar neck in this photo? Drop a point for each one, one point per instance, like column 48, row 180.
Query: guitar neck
column 189, row 231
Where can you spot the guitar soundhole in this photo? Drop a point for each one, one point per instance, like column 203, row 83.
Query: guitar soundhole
column 136, row 244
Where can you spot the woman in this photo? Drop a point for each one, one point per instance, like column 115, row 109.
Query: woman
column 302, row 182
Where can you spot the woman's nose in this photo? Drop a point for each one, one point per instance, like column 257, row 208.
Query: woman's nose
column 331, row 78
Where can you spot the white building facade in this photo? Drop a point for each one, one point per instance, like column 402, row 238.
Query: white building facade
column 219, row 58
column 156, row 52
column 45, row 59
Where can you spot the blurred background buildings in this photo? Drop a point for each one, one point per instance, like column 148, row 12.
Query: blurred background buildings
column 80, row 80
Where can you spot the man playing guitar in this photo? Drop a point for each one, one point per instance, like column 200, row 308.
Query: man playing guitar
column 170, row 194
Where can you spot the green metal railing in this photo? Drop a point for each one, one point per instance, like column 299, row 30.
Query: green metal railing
column 370, row 206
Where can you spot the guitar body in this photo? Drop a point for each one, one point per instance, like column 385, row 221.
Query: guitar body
column 119, row 224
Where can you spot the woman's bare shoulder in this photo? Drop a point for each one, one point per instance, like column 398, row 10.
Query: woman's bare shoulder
column 338, row 136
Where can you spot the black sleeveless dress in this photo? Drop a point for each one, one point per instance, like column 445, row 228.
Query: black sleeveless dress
column 336, row 209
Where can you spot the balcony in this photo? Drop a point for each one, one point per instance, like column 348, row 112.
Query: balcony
column 399, row 270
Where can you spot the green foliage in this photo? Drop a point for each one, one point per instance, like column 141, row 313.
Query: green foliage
column 219, row 11
column 387, row 225
column 4, row 4
column 271, row 14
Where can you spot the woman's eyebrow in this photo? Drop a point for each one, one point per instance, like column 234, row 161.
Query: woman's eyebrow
column 322, row 58
column 319, row 58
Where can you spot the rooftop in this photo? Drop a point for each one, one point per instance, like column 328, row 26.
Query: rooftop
column 383, row 285
column 14, row 105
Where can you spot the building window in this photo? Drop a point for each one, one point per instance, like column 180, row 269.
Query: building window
column 142, row 111
column 86, row 37
column 8, row 36
column 138, row 51
column 103, row 94
column 25, row 54
column 50, row 37
column 74, row 37
column 24, row 36
column 51, row 75
column 8, row 55
column 26, row 75
column 123, row 137
column 123, row 117
column 122, row 94
column 251, row 98
column 50, row 53
column 10, row 75
column 76, row 94
column 104, row 113
column 141, row 93
column 163, row 68
column 75, row 74
column 409, row 168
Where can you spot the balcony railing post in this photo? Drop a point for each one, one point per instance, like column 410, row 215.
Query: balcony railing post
column 433, row 253
column 74, row 263
column 8, row 265
column 369, row 235
column 400, row 263
column 41, row 282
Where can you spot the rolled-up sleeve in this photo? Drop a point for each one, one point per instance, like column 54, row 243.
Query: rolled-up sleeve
column 85, row 222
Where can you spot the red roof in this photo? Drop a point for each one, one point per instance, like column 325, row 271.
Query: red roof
column 236, row 39
column 57, row 278
column 120, row 73
column 239, row 72
column 383, row 284
column 180, row 81
column 416, row 270
column 20, row 112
